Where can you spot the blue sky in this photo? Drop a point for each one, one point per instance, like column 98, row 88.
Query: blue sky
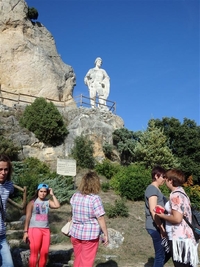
column 150, row 50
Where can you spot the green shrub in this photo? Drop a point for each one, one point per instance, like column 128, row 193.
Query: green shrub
column 83, row 151
column 107, row 168
column 105, row 187
column 119, row 209
column 165, row 190
column 63, row 187
column 31, row 172
column 107, row 150
column 131, row 181
column 193, row 193
column 32, row 13
column 9, row 148
column 45, row 121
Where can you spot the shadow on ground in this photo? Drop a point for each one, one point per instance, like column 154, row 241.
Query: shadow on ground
column 109, row 263
column 149, row 262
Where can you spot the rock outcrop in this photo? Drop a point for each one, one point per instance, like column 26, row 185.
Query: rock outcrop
column 95, row 123
column 98, row 125
column 29, row 62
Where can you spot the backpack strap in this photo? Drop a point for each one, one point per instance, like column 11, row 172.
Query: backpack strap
column 2, row 209
column 196, row 235
column 184, row 217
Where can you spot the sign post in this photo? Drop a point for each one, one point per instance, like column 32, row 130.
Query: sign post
column 66, row 167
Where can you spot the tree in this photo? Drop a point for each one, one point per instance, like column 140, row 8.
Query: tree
column 32, row 13
column 184, row 141
column 125, row 141
column 9, row 148
column 45, row 121
column 83, row 151
column 152, row 149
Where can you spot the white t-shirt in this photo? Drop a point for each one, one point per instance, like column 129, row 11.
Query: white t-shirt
column 168, row 225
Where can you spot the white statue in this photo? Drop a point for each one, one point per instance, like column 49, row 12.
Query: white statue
column 98, row 83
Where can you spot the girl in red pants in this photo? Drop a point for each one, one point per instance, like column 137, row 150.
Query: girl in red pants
column 36, row 227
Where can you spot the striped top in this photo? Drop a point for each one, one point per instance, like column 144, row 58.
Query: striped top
column 85, row 210
column 5, row 190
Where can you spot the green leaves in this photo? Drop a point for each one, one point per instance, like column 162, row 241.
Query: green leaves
column 83, row 151
column 32, row 13
column 152, row 149
column 131, row 181
column 9, row 148
column 184, row 141
column 45, row 121
column 31, row 172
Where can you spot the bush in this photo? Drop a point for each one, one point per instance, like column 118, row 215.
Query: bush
column 63, row 187
column 31, row 172
column 119, row 209
column 193, row 193
column 131, row 181
column 107, row 169
column 165, row 190
column 105, row 187
column 7, row 147
column 107, row 150
column 45, row 121
column 32, row 13
column 82, row 152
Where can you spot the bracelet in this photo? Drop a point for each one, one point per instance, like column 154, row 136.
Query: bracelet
column 25, row 232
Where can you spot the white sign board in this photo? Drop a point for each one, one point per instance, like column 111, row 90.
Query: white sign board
column 66, row 167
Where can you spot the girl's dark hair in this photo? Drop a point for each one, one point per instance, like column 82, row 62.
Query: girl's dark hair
column 36, row 194
column 157, row 170
column 5, row 158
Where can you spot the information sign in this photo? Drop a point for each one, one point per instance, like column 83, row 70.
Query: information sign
column 66, row 167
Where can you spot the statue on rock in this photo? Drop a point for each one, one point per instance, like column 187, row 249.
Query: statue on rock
column 98, row 83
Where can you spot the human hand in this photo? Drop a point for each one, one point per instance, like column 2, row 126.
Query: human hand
column 25, row 236
column 159, row 209
column 104, row 240
column 51, row 191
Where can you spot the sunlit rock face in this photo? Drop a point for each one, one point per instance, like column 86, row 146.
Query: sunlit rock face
column 29, row 62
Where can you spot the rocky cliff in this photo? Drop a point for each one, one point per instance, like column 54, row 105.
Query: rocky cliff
column 98, row 125
column 30, row 65
column 29, row 62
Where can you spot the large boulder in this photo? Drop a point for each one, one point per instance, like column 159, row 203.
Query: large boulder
column 95, row 123
column 29, row 62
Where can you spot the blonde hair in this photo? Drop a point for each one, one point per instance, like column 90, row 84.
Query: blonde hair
column 90, row 184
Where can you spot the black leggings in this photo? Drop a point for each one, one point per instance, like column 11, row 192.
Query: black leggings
column 177, row 263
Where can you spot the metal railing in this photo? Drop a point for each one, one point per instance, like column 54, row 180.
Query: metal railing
column 81, row 100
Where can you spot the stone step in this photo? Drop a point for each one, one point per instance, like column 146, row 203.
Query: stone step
column 16, row 225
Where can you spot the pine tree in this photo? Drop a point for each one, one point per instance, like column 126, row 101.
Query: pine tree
column 152, row 149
